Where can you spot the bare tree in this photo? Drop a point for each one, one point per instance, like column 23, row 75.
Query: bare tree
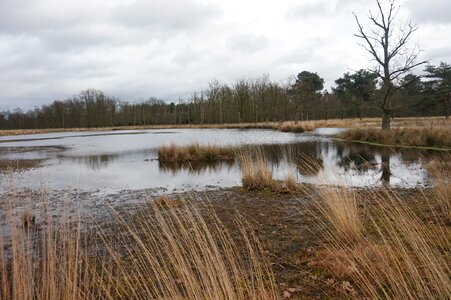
column 387, row 42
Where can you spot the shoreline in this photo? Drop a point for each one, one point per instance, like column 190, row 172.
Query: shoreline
column 306, row 125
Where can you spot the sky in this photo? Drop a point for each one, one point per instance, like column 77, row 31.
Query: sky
column 135, row 49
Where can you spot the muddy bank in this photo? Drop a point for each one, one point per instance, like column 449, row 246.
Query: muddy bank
column 19, row 165
column 281, row 222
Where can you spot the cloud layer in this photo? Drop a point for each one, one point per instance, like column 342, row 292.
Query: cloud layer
column 135, row 49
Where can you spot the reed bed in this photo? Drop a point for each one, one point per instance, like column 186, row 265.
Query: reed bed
column 423, row 137
column 165, row 253
column 439, row 170
column 256, row 173
column 258, row 176
column 426, row 122
column 195, row 152
column 383, row 244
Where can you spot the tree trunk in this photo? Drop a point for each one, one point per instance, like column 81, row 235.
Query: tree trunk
column 386, row 118
column 447, row 105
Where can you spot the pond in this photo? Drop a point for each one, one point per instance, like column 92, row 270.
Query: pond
column 125, row 160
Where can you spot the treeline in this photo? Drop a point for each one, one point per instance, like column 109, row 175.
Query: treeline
column 259, row 100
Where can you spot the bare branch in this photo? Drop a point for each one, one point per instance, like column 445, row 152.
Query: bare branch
column 364, row 36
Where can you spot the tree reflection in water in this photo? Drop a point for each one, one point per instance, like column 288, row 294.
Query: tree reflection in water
column 385, row 166
column 95, row 162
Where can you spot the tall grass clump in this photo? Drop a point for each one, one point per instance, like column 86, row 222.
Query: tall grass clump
column 439, row 137
column 256, row 173
column 439, row 172
column 43, row 263
column 177, row 254
column 384, row 246
column 194, row 152
column 291, row 127
column 158, row 253
column 340, row 209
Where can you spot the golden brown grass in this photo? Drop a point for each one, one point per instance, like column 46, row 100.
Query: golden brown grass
column 258, row 176
column 292, row 127
column 43, row 263
column 167, row 202
column 381, row 243
column 439, row 172
column 164, row 254
column 425, row 137
column 256, row 173
column 340, row 210
column 305, row 125
column 194, row 152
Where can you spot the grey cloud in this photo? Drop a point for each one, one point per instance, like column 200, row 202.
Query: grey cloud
column 307, row 51
column 161, row 14
column 247, row 43
column 321, row 8
column 430, row 11
column 52, row 49
column 188, row 55
column 439, row 54
column 307, row 10
column 29, row 17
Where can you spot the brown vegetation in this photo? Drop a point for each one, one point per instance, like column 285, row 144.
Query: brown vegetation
column 18, row 165
column 423, row 137
column 257, row 176
column 194, row 152
column 165, row 254
column 382, row 243
column 287, row 126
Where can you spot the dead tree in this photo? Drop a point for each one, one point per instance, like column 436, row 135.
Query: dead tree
column 387, row 42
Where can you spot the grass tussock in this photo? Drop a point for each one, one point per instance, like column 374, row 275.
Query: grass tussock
column 340, row 209
column 384, row 246
column 292, row 127
column 163, row 254
column 258, row 176
column 422, row 137
column 194, row 152
column 256, row 173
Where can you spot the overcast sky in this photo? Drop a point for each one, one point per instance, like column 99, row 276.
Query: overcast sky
column 134, row 49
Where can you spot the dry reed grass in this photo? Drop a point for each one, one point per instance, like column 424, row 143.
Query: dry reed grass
column 340, row 209
column 426, row 137
column 167, row 202
column 439, row 172
column 194, row 152
column 258, row 176
column 292, row 127
column 384, row 247
column 256, row 173
column 164, row 254
column 305, row 125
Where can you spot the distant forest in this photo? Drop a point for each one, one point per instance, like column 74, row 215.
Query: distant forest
column 355, row 95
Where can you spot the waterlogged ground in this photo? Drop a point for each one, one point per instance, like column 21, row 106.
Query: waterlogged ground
column 109, row 162
column 96, row 175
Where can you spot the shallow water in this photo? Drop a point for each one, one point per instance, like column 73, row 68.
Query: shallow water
column 124, row 160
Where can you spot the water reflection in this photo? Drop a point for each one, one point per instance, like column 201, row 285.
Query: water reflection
column 196, row 167
column 385, row 166
column 324, row 162
column 116, row 162
column 94, row 162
